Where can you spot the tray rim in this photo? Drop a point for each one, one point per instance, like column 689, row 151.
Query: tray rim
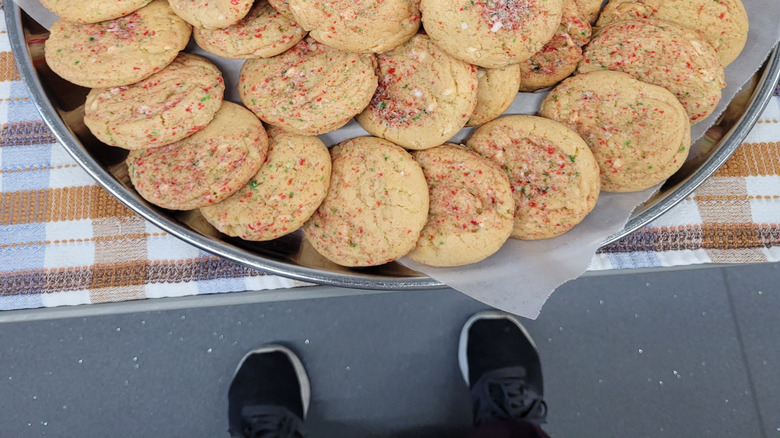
column 730, row 141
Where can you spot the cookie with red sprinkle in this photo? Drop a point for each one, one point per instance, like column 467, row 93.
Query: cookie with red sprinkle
column 559, row 57
column 204, row 168
column 376, row 205
column 262, row 33
column 639, row 133
column 491, row 33
column 117, row 52
column 722, row 23
column 211, row 14
column 591, row 8
column 471, row 207
column 496, row 90
column 175, row 102
column 361, row 26
column 660, row 53
column 555, row 62
column 283, row 7
column 310, row 89
column 92, row 11
column 283, row 194
column 574, row 22
column 554, row 177
column 424, row 96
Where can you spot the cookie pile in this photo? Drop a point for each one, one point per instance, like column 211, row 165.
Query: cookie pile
column 621, row 123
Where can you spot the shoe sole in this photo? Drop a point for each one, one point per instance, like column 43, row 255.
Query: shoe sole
column 464, row 336
column 300, row 371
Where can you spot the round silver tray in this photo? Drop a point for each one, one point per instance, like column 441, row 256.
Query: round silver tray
column 60, row 104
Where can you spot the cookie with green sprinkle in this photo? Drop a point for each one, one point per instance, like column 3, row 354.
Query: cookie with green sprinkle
column 174, row 103
column 554, row 177
column 262, row 33
column 117, row 52
column 424, row 97
column 471, row 207
column 310, row 89
column 639, row 133
column 376, row 205
column 204, row 168
column 283, row 194
column 92, row 11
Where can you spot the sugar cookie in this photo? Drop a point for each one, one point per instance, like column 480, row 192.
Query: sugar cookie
column 639, row 133
column 554, row 177
column 554, row 63
column 117, row 52
column 496, row 90
column 424, row 97
column 559, row 57
column 376, row 205
column 722, row 23
column 660, row 53
column 205, row 167
column 169, row 105
column 491, row 33
column 211, row 14
column 262, row 33
column 92, row 11
column 471, row 207
column 361, row 26
column 283, row 194
column 310, row 89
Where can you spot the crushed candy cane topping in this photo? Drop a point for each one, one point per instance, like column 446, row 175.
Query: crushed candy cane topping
column 507, row 14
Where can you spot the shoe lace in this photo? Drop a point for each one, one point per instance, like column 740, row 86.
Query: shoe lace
column 271, row 422
column 503, row 394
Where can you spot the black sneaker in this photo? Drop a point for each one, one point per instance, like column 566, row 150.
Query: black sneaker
column 501, row 366
column 269, row 396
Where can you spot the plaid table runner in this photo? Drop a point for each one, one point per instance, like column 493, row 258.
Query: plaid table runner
column 64, row 240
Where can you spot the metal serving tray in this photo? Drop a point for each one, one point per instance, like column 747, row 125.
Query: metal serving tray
column 60, row 104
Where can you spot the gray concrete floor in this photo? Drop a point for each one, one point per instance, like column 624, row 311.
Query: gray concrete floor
column 671, row 353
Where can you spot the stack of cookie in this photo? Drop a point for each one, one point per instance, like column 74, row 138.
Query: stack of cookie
column 259, row 171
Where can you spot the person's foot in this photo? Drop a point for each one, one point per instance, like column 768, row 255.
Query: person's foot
column 501, row 366
column 269, row 395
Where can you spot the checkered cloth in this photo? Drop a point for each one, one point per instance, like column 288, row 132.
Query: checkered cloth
column 64, row 240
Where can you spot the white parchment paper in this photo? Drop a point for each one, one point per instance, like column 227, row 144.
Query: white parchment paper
column 523, row 274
